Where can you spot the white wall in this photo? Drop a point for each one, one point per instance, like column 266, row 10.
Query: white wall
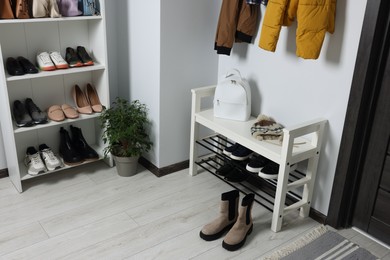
column 164, row 50
column 187, row 61
column 294, row 90
column 112, row 8
column 139, row 59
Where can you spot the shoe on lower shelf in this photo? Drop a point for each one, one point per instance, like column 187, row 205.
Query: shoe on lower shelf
column 271, row 170
column 69, row 154
column 81, row 145
column 35, row 112
column 44, row 62
column 237, row 175
column 225, row 169
column 51, row 161
column 256, row 163
column 33, row 162
column 21, row 115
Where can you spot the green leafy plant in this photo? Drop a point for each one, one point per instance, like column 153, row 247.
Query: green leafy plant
column 125, row 128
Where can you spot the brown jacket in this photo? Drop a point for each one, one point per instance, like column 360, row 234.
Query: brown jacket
column 237, row 23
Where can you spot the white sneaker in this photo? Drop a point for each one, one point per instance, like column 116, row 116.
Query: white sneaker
column 44, row 62
column 51, row 161
column 33, row 162
column 58, row 61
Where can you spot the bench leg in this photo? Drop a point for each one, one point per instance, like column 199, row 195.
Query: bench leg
column 193, row 168
column 308, row 188
column 280, row 198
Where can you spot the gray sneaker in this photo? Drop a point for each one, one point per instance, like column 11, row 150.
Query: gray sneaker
column 22, row 118
column 36, row 114
column 33, row 162
column 51, row 160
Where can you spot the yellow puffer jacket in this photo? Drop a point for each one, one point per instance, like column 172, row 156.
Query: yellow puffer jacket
column 314, row 18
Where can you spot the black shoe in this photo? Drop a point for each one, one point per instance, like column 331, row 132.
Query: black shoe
column 237, row 175
column 27, row 66
column 14, row 68
column 22, row 118
column 69, row 154
column 225, row 169
column 84, row 56
column 72, row 58
column 270, row 171
column 36, row 114
column 79, row 143
column 256, row 163
column 228, row 150
column 241, row 153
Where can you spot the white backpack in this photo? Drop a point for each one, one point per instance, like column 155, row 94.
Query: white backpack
column 232, row 98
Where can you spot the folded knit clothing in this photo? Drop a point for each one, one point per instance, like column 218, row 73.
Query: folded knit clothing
column 266, row 128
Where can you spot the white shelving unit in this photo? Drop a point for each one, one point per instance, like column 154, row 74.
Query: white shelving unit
column 27, row 37
column 300, row 143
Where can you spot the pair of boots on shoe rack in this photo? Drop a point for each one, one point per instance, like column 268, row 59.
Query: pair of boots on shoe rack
column 75, row 150
column 234, row 219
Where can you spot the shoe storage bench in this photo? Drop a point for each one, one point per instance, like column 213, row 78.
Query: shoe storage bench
column 27, row 38
column 290, row 191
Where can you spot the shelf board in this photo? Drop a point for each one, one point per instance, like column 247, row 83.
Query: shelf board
column 18, row 130
column 240, row 133
column 43, row 74
column 28, row 176
column 49, row 19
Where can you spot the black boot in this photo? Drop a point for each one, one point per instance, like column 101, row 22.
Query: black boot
column 79, row 143
column 69, row 154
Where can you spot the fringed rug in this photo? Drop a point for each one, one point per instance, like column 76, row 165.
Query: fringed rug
column 321, row 243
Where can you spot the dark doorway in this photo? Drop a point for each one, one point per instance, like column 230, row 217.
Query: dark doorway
column 360, row 186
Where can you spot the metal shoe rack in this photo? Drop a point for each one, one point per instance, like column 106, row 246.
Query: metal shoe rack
column 264, row 189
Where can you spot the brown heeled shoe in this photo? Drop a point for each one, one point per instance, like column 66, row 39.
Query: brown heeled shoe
column 93, row 98
column 81, row 101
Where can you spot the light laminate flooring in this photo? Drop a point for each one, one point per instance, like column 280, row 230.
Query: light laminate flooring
column 89, row 212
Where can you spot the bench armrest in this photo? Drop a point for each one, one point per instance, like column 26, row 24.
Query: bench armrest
column 204, row 91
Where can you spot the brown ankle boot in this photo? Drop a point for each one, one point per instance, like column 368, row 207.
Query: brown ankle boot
column 236, row 237
column 227, row 218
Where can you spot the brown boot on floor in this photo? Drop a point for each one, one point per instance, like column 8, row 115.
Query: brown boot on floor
column 236, row 237
column 227, row 218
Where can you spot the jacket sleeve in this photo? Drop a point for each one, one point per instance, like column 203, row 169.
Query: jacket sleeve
column 332, row 16
column 273, row 20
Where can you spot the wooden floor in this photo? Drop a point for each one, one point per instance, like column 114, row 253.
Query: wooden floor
column 91, row 213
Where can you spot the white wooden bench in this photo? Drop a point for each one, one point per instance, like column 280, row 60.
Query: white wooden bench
column 300, row 142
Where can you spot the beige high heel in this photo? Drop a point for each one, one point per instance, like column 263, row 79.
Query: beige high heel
column 81, row 101
column 93, row 98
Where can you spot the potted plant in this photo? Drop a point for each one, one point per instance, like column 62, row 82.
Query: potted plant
column 125, row 134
